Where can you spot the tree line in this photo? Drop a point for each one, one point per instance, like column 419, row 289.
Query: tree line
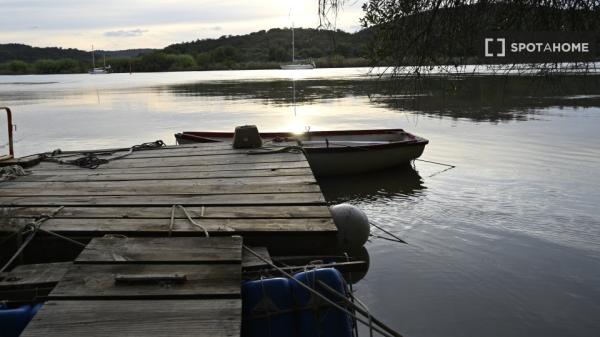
column 258, row 50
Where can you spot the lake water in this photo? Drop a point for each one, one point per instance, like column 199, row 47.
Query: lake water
column 505, row 244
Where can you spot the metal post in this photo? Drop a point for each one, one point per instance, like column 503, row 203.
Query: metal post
column 11, row 152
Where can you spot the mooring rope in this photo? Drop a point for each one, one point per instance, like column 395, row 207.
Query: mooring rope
column 92, row 161
column 435, row 162
column 284, row 149
column 396, row 238
column 114, row 255
column 81, row 244
column 189, row 217
column 11, row 172
column 32, row 227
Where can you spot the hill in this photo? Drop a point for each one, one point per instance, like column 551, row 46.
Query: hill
column 258, row 50
column 276, row 45
column 25, row 53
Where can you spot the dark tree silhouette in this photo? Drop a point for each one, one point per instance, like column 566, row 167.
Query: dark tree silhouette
column 420, row 36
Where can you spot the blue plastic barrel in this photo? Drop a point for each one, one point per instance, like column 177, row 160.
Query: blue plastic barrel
column 14, row 320
column 316, row 317
column 267, row 308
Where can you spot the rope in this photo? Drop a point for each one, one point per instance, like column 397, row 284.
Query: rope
column 442, row 171
column 435, row 162
column 351, row 293
column 267, row 309
column 115, row 256
column 284, row 149
column 368, row 315
column 11, row 172
column 144, row 146
column 318, row 294
column 92, row 161
column 189, row 217
column 397, row 238
column 18, row 252
column 385, row 238
column 32, row 227
column 172, row 220
column 63, row 237
column 364, row 310
column 35, row 226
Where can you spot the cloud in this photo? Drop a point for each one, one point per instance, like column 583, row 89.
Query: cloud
column 118, row 24
column 125, row 33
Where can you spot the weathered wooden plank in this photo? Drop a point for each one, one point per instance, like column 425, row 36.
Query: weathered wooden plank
column 26, row 294
column 23, row 161
column 162, row 250
column 213, row 145
column 182, row 152
column 182, row 318
column 139, row 188
column 214, row 160
column 147, row 200
column 30, row 275
column 238, row 181
column 197, row 149
column 200, row 151
column 97, row 281
column 204, row 160
column 182, row 226
column 160, row 152
column 92, row 175
column 53, row 168
column 250, row 261
column 187, row 153
column 161, row 190
column 215, row 212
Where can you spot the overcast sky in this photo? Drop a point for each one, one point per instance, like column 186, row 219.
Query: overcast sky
column 125, row 24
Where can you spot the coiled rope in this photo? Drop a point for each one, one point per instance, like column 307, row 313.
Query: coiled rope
column 92, row 161
column 11, row 172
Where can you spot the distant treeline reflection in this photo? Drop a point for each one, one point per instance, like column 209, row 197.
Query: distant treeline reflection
column 479, row 98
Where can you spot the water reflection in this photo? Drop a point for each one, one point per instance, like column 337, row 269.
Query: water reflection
column 399, row 181
column 479, row 98
column 508, row 239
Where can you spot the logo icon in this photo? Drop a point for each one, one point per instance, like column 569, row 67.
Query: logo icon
column 489, row 41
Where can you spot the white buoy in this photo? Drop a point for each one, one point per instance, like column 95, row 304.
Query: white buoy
column 352, row 224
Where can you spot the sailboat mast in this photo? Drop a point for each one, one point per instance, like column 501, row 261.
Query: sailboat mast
column 293, row 48
column 93, row 58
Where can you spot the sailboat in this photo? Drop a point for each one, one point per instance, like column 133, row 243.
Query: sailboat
column 100, row 70
column 297, row 63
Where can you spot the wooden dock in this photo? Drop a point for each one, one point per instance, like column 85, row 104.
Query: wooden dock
column 227, row 191
column 147, row 269
column 147, row 287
